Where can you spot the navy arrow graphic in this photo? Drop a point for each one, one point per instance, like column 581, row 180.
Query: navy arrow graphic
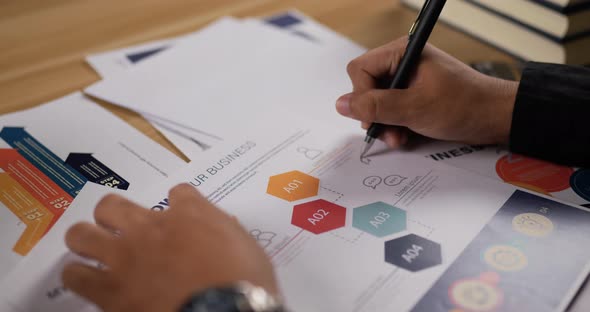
column 95, row 171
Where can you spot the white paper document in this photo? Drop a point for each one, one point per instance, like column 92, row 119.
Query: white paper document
column 292, row 22
column 400, row 233
column 48, row 153
column 227, row 73
column 113, row 62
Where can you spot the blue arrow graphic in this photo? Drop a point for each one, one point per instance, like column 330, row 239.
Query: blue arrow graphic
column 41, row 157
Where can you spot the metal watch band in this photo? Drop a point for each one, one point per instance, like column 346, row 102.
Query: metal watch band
column 241, row 297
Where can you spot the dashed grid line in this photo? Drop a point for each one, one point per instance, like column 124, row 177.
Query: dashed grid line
column 352, row 241
column 431, row 229
column 340, row 195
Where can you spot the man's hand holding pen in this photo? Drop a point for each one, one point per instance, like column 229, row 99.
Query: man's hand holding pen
column 445, row 100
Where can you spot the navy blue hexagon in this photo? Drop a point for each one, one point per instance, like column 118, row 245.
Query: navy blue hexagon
column 413, row 253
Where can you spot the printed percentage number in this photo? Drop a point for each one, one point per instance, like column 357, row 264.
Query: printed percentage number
column 34, row 215
column 292, row 186
column 60, row 203
column 110, row 182
column 113, row 183
column 318, row 216
column 379, row 219
column 412, row 253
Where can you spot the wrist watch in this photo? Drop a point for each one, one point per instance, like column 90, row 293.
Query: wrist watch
column 240, row 297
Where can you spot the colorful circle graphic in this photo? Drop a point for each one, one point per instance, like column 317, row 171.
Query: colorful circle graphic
column 532, row 224
column 505, row 258
column 475, row 295
column 537, row 173
column 580, row 182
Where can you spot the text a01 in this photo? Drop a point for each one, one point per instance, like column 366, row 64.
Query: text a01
column 292, row 186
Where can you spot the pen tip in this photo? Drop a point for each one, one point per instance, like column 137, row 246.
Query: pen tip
column 368, row 144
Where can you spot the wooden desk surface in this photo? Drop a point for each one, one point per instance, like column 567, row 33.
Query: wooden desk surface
column 43, row 42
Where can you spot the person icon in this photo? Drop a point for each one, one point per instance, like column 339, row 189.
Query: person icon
column 309, row 153
column 263, row 238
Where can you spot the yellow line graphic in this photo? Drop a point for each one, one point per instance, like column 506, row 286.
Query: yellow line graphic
column 30, row 211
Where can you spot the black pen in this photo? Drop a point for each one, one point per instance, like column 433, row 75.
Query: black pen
column 417, row 37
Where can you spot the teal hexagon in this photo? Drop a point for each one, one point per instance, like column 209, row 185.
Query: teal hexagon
column 379, row 219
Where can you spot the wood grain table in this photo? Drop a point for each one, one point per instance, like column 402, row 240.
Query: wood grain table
column 43, row 42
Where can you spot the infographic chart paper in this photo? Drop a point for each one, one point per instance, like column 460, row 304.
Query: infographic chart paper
column 512, row 249
column 393, row 235
column 562, row 182
column 48, row 153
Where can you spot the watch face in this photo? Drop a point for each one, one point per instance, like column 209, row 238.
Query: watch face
column 215, row 300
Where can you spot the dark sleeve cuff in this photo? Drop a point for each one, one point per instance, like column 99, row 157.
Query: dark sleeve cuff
column 551, row 118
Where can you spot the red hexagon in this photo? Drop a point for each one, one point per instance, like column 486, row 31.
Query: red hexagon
column 319, row 216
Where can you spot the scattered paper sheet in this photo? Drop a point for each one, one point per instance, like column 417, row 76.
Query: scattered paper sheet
column 113, row 62
column 402, row 233
column 48, row 153
column 264, row 77
column 110, row 63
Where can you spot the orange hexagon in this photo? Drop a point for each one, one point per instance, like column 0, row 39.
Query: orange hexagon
column 293, row 185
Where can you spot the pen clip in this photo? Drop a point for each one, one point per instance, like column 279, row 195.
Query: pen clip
column 418, row 18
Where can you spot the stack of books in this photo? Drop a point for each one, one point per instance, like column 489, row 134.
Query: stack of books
column 556, row 31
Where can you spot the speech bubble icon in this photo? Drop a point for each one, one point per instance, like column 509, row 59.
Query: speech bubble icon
column 394, row 180
column 372, row 181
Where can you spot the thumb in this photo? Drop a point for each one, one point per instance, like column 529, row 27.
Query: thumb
column 383, row 106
